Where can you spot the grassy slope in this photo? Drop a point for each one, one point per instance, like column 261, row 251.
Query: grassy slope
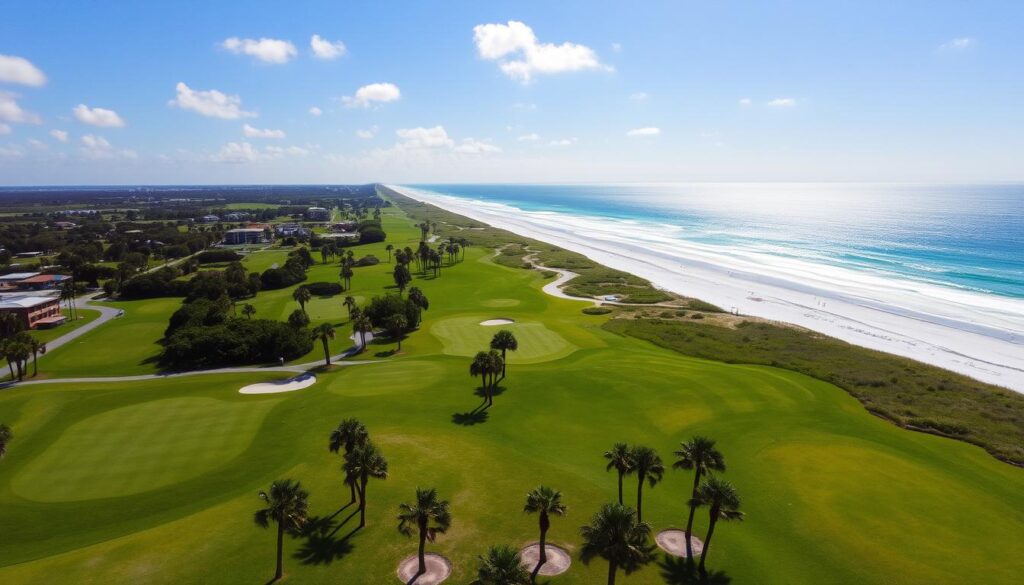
column 832, row 493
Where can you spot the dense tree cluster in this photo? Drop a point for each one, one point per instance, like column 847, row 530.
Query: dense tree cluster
column 323, row 289
column 293, row 271
column 234, row 342
column 381, row 309
column 210, row 256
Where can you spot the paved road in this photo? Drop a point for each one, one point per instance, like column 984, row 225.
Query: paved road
column 106, row 314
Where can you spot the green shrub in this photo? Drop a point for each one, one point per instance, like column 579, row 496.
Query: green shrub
column 324, row 289
column 596, row 311
column 235, row 342
column 211, row 256
column 699, row 305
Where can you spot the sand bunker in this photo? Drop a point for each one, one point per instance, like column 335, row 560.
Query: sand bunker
column 438, row 569
column 674, row 543
column 296, row 383
column 558, row 560
column 493, row 322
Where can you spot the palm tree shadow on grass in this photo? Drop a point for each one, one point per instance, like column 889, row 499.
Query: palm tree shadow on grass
column 473, row 417
column 679, row 571
column 322, row 545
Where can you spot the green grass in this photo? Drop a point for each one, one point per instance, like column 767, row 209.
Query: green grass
column 465, row 336
column 155, row 481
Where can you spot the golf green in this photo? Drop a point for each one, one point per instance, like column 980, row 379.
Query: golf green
column 465, row 336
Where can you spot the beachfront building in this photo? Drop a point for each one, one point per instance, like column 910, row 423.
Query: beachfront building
column 42, row 281
column 209, row 219
column 291, row 229
column 243, row 236
column 318, row 214
column 10, row 281
column 33, row 311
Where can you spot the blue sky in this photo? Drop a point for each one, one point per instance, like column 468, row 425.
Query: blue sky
column 146, row 92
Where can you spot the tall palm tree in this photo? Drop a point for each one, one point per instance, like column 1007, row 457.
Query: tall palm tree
column 325, row 333
column 615, row 534
column 5, row 439
column 723, row 504
column 288, row 507
column 37, row 347
column 396, row 324
column 429, row 516
column 362, row 463
column 346, row 274
column 418, row 298
column 302, row 296
column 248, row 310
column 350, row 304
column 502, row 566
column 487, row 365
column 349, row 434
column 402, row 277
column 620, row 458
column 505, row 341
column 648, row 467
column 546, row 502
column 362, row 325
column 389, row 248
column 700, row 455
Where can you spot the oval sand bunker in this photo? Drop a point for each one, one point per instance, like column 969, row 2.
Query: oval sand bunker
column 296, row 383
column 494, row 322
column 674, row 543
column 438, row 569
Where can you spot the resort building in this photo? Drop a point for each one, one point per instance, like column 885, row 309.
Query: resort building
column 42, row 281
column 34, row 311
column 243, row 236
column 318, row 214
column 10, row 281
column 209, row 219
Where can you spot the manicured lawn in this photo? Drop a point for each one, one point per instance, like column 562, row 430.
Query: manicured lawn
column 155, row 481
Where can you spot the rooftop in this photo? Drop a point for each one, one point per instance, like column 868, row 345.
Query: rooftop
column 25, row 302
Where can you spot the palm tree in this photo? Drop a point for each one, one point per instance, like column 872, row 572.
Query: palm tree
column 620, row 458
column 724, row 504
column 389, row 248
column 362, row 325
column 5, row 439
column 325, row 333
column 346, row 274
column 362, row 463
column 402, row 277
column 616, row 535
column 502, row 566
column 350, row 304
column 418, row 298
column 505, row 341
column 248, row 310
column 302, row 296
column 700, row 455
column 350, row 434
column 430, row 516
column 544, row 501
column 396, row 324
column 287, row 506
column 37, row 347
column 487, row 364
column 647, row 466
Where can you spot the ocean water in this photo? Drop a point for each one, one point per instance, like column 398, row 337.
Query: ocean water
column 961, row 238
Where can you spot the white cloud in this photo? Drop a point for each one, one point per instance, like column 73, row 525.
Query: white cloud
column 97, row 147
column 563, row 142
column 782, row 103
column 10, row 111
column 315, row 111
column 20, row 70
column 283, row 151
column 210, row 103
column 252, row 132
column 472, row 146
column 324, row 49
column 420, row 137
column 367, row 134
column 522, row 56
column 617, row 47
column 4, row 129
column 532, row 137
column 37, row 144
column 236, row 153
column 10, row 151
column 99, row 117
column 639, row 96
column 367, row 95
column 957, row 44
column 648, row 131
column 273, row 51
column 746, row 102
column 59, row 135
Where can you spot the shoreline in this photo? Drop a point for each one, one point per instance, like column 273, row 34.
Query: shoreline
column 990, row 353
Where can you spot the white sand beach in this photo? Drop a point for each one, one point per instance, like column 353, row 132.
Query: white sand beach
column 981, row 336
